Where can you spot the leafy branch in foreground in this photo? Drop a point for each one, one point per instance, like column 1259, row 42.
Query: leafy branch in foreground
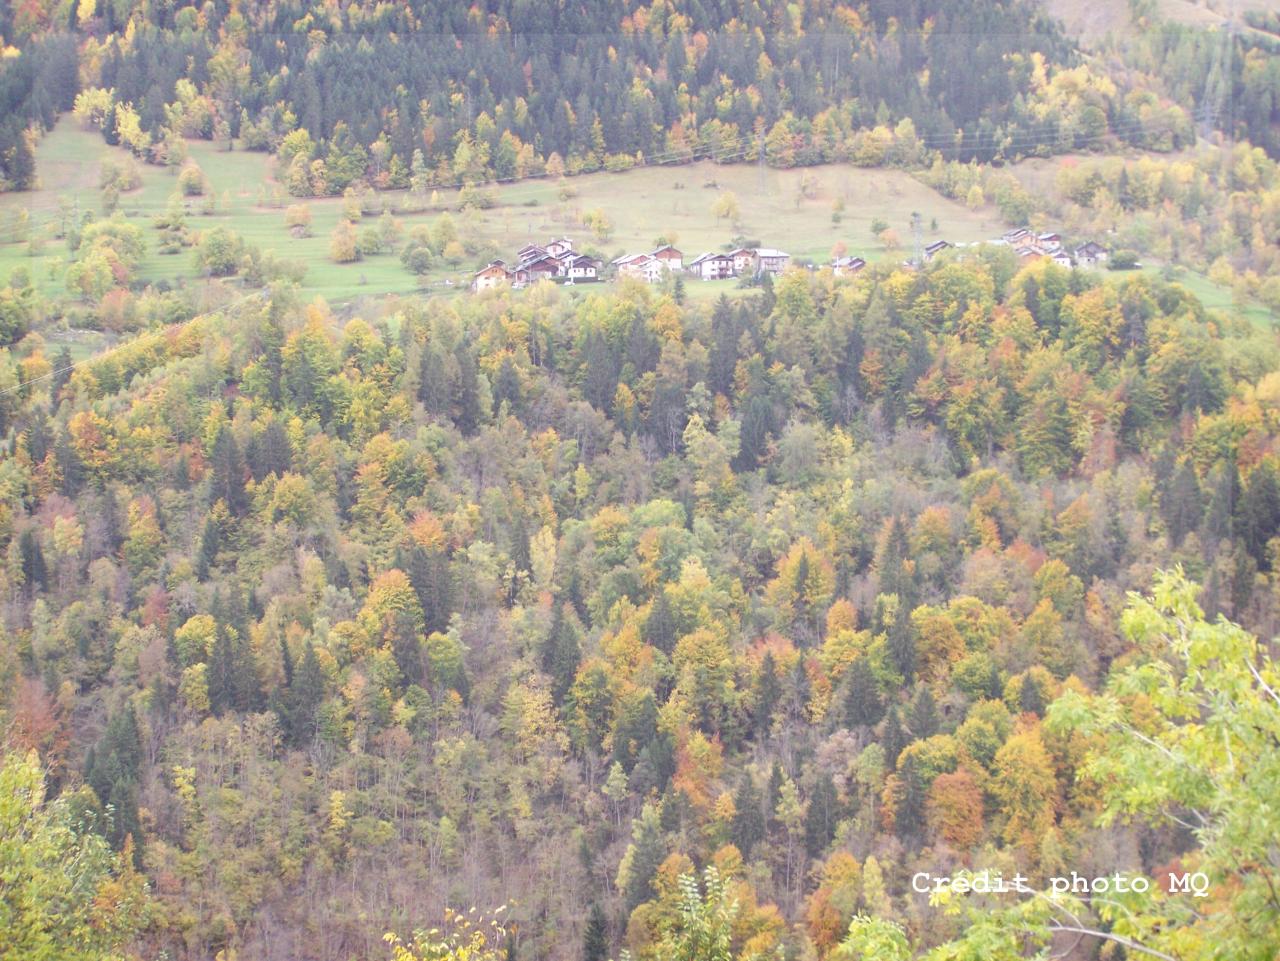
column 1186, row 734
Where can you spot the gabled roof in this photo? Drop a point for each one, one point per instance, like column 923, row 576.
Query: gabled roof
column 666, row 248
column 492, row 265
column 541, row 263
column 855, row 262
column 936, row 246
column 770, row 252
column 709, row 255
column 582, row 260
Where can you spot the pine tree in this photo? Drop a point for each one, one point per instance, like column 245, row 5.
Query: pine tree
column 113, row 768
column 595, row 939
column 304, row 697
column 35, row 572
column 433, row 382
column 924, row 719
column 909, row 817
column 902, row 645
column 766, row 695
column 561, row 654
column 1031, row 698
column 748, row 826
column 1182, row 503
column 822, row 816
column 1260, row 513
column 863, row 706
column 467, row 393
column 660, row 625
column 207, row 554
column 221, row 674
column 894, row 739
column 646, row 854
column 228, row 483
column 506, row 386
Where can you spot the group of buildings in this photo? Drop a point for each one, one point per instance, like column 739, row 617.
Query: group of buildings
column 558, row 260
column 1032, row 246
column 551, row 261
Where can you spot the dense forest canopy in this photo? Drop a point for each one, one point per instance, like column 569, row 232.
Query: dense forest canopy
column 602, row 84
column 562, row 622
column 559, row 602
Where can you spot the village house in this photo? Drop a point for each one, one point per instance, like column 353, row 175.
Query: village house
column 1090, row 254
column 770, row 261
column 559, row 246
column 935, row 248
column 669, row 256
column 530, row 252
column 541, row 268
column 712, row 266
column 744, row 259
column 580, row 267
column 847, row 266
column 1062, row 259
column 492, row 275
column 640, row 266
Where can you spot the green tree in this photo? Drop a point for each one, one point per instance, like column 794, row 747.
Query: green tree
column 64, row 896
column 703, row 927
column 595, row 939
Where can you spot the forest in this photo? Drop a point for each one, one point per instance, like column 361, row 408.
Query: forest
column 393, row 92
column 329, row 625
column 628, row 621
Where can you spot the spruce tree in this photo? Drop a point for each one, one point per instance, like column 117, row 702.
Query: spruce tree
column 561, row 654
column 748, row 826
column 595, row 939
column 228, row 481
column 863, row 706
column 647, row 852
column 766, row 695
column 822, row 816
column 304, row 697
column 894, row 739
column 902, row 645
column 924, row 718
column 660, row 625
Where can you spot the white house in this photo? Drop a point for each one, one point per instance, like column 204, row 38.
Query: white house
column 581, row 267
column 558, row 247
column 671, row 258
column 492, row 275
column 712, row 266
column 770, row 261
column 744, row 259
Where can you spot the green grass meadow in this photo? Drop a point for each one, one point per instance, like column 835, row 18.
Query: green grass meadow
column 805, row 212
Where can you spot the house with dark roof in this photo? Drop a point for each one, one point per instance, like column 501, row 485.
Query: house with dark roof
column 712, row 266
column 847, row 266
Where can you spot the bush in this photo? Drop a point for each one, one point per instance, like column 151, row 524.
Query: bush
column 191, row 181
column 298, row 219
column 220, row 252
column 369, row 242
column 1124, row 260
column 342, row 243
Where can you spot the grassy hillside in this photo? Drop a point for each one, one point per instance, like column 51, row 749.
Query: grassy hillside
column 642, row 204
